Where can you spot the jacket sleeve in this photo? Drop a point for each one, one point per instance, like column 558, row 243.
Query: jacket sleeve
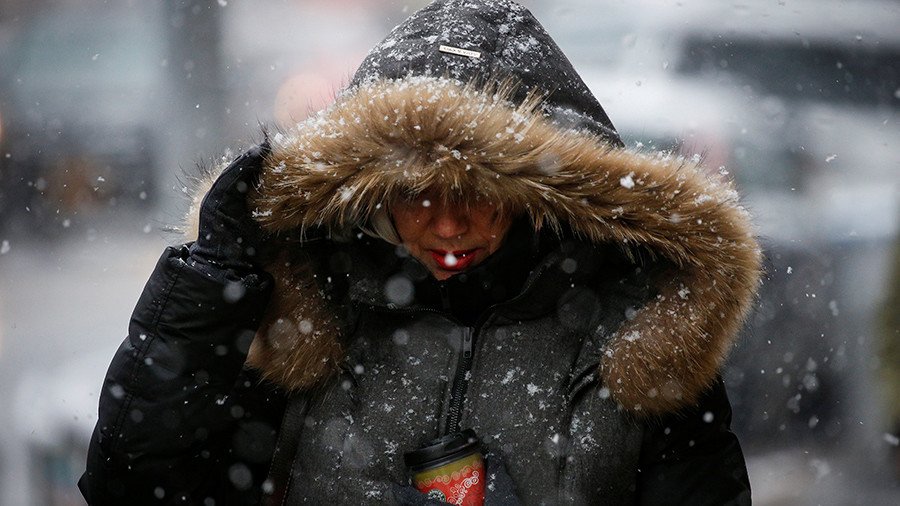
column 692, row 457
column 168, row 399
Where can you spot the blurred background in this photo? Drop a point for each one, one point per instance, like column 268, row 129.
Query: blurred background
column 105, row 105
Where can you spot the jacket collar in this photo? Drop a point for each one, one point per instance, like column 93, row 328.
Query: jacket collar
column 386, row 276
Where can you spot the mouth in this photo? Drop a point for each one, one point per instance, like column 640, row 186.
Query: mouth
column 454, row 260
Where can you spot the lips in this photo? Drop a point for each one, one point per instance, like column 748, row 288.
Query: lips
column 454, row 260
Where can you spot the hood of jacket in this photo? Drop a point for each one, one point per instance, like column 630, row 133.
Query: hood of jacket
column 473, row 99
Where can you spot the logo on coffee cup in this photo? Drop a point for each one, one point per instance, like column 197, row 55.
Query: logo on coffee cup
column 436, row 494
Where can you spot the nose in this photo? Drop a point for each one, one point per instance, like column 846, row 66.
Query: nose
column 449, row 221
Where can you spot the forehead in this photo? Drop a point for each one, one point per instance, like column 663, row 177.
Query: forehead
column 436, row 196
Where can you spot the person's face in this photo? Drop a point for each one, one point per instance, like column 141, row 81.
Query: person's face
column 449, row 238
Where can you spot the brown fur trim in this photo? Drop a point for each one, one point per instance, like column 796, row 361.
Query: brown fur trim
column 196, row 184
column 200, row 186
column 296, row 344
column 391, row 139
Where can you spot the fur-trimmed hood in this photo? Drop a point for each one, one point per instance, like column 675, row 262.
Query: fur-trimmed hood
column 389, row 137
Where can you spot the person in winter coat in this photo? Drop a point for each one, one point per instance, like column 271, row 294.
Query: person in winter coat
column 461, row 241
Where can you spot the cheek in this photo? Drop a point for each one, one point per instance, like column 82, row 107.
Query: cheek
column 493, row 229
column 410, row 222
column 497, row 235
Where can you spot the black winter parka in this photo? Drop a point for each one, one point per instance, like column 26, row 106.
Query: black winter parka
column 585, row 352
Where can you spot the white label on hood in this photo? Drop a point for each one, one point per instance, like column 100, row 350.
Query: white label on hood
column 461, row 52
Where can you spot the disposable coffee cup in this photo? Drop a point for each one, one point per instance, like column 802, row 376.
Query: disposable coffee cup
column 449, row 469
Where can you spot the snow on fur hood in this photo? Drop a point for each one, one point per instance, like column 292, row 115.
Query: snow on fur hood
column 411, row 121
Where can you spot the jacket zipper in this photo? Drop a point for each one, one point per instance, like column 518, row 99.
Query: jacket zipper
column 464, row 364
column 467, row 355
column 460, row 381
column 467, row 348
